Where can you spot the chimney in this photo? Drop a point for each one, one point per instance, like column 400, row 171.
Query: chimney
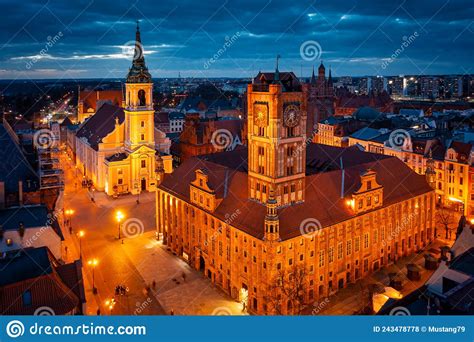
column 20, row 192
column 342, row 178
column 2, row 195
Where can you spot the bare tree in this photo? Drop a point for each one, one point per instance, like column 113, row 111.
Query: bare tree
column 445, row 218
column 288, row 289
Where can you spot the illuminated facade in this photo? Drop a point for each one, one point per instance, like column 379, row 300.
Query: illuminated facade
column 250, row 219
column 117, row 147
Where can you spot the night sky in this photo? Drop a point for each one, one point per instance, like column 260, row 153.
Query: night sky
column 202, row 38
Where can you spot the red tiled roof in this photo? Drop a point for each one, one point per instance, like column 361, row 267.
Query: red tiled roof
column 91, row 98
column 461, row 147
column 228, row 172
column 35, row 270
column 47, row 290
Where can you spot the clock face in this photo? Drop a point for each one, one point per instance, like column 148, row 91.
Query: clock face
column 291, row 116
column 260, row 114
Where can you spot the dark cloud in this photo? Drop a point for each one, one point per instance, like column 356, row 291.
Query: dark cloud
column 235, row 38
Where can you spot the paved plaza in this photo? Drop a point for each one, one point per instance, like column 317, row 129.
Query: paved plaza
column 135, row 261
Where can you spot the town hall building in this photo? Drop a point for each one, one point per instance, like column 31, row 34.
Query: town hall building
column 286, row 213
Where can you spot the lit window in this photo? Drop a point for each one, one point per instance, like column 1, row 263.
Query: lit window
column 366, row 240
column 339, row 251
column 331, row 254
column 321, row 258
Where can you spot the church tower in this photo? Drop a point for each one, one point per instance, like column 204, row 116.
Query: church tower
column 276, row 137
column 139, row 124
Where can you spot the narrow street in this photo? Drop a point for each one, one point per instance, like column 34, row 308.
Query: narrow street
column 100, row 241
column 135, row 261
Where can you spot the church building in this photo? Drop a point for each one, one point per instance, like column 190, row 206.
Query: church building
column 286, row 222
column 118, row 148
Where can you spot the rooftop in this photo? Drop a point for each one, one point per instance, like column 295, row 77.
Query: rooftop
column 228, row 171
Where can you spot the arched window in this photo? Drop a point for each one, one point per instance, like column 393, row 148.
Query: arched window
column 141, row 98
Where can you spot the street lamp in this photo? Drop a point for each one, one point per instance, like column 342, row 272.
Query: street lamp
column 110, row 303
column 119, row 217
column 69, row 213
column 93, row 263
column 80, row 235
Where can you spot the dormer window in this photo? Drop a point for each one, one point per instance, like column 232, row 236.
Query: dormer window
column 369, row 195
column 201, row 192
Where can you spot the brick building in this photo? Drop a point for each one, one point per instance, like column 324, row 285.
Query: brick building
column 287, row 213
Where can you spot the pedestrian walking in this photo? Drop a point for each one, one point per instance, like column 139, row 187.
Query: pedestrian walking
column 184, row 277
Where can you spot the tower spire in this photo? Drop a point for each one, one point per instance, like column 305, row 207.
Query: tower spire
column 313, row 77
column 137, row 35
column 138, row 73
column 276, row 79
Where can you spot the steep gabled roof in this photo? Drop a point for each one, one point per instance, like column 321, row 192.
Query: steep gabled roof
column 35, row 271
column 101, row 124
column 228, row 170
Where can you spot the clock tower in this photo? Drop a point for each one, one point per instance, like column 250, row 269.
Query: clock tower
column 276, row 137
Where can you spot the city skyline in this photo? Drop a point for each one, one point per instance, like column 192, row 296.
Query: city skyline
column 90, row 40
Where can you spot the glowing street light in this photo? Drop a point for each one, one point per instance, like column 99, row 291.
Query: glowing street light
column 93, row 263
column 119, row 216
column 110, row 303
column 69, row 213
column 80, row 235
